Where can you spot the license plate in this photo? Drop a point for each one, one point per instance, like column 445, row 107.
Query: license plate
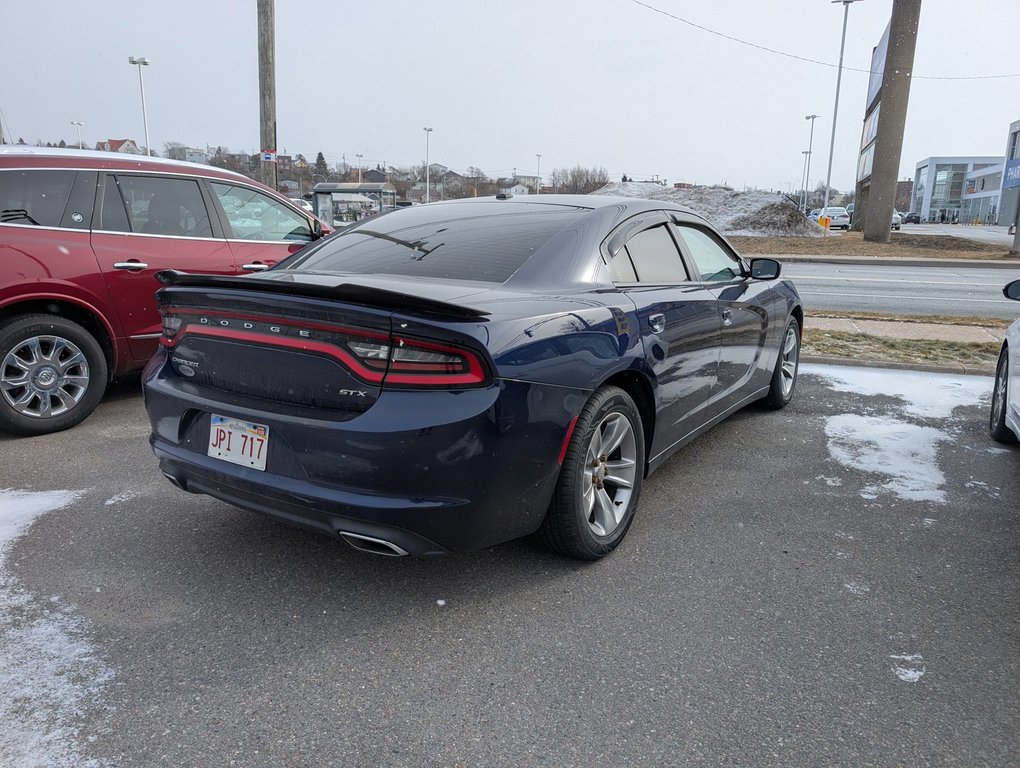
column 239, row 442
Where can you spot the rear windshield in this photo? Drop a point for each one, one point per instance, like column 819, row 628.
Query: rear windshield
column 485, row 242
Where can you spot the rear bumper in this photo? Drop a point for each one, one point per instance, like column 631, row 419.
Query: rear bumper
column 430, row 472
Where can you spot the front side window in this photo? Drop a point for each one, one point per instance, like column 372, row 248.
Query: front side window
column 255, row 216
column 154, row 205
column 34, row 197
column 714, row 262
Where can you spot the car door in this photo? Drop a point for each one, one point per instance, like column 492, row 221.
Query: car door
column 679, row 323
column 261, row 230
column 146, row 223
column 743, row 318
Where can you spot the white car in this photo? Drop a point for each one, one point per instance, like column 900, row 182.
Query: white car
column 300, row 202
column 838, row 217
column 897, row 220
column 1004, row 423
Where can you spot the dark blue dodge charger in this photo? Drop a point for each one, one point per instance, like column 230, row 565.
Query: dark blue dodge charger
column 454, row 375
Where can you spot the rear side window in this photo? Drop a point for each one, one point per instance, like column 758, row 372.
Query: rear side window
column 461, row 245
column 155, row 205
column 655, row 257
column 34, row 197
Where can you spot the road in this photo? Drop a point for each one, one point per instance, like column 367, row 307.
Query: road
column 967, row 292
column 833, row 584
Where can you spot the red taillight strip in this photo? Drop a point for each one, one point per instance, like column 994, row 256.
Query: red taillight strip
column 305, row 345
column 474, row 375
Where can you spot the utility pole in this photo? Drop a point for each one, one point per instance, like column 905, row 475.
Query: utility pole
column 899, row 65
column 267, row 89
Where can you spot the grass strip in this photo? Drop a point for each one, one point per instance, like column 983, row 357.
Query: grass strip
column 859, row 346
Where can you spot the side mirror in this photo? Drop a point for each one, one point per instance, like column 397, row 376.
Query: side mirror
column 1012, row 290
column 765, row 269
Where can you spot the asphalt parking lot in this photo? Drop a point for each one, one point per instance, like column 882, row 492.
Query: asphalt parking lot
column 833, row 584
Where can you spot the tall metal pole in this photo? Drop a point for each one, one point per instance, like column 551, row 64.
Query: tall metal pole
column 803, row 183
column 427, row 179
column 538, row 173
column 835, row 108
column 141, row 61
column 267, row 89
column 78, row 124
column 359, row 156
column 810, row 147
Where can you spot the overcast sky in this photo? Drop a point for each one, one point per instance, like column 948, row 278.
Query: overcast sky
column 608, row 83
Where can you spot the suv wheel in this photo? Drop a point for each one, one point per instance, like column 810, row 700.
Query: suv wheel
column 52, row 374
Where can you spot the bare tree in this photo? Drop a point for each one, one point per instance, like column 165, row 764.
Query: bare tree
column 578, row 180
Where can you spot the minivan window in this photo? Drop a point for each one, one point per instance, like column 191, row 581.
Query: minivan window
column 35, row 197
column 254, row 216
column 155, row 205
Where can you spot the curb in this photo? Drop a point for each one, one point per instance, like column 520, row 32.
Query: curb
column 964, row 370
column 789, row 258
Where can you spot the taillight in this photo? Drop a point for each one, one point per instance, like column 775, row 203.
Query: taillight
column 411, row 362
column 171, row 325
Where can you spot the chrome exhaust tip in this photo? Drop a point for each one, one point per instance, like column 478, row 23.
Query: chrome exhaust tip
column 372, row 545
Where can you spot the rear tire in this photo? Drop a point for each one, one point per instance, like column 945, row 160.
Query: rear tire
column 52, row 374
column 784, row 377
column 997, row 420
column 600, row 482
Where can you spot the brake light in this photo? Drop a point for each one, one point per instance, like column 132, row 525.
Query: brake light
column 412, row 362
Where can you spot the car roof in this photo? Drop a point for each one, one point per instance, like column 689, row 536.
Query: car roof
column 593, row 202
column 90, row 158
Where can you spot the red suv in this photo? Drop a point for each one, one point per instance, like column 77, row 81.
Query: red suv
column 82, row 235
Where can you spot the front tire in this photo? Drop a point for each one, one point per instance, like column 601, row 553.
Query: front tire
column 784, row 377
column 52, row 374
column 600, row 481
column 1000, row 390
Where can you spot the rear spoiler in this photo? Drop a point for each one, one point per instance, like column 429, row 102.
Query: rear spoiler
column 349, row 292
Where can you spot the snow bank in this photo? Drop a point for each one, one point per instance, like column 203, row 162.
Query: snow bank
column 736, row 213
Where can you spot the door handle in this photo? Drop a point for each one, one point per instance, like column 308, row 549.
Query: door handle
column 131, row 266
column 255, row 267
column 657, row 322
column 727, row 317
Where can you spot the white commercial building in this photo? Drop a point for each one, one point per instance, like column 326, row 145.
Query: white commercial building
column 940, row 184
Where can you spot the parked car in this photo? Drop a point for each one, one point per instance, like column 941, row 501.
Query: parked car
column 1004, row 421
column 451, row 376
column 303, row 204
column 897, row 219
column 913, row 217
column 838, row 217
column 83, row 235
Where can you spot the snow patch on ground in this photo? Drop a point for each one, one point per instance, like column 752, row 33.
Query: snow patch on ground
column 753, row 212
column 905, row 453
column 120, row 497
column 926, row 395
column 49, row 671
column 909, row 667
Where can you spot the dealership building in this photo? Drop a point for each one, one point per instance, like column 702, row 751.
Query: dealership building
column 970, row 189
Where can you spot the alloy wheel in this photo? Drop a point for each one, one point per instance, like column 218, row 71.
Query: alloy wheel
column 788, row 366
column 609, row 473
column 44, row 376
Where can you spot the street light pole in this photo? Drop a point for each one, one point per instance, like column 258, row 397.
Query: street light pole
column 835, row 108
column 803, row 184
column 141, row 61
column 427, row 179
column 810, row 146
column 78, row 124
column 359, row 156
column 538, row 180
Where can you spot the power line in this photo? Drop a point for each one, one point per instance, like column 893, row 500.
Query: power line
column 804, row 58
